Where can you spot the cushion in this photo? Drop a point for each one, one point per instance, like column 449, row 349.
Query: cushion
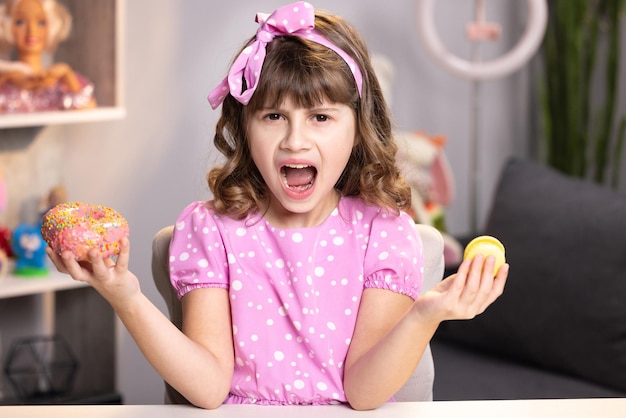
column 564, row 306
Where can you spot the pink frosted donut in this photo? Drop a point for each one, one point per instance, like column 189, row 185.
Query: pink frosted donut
column 79, row 227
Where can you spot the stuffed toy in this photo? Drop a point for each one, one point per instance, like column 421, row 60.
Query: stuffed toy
column 29, row 250
column 425, row 169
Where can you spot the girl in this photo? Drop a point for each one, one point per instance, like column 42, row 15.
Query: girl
column 299, row 281
column 34, row 27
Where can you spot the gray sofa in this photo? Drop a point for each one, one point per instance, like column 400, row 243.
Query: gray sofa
column 559, row 329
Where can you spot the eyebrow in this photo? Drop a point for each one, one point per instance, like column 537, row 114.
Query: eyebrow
column 323, row 108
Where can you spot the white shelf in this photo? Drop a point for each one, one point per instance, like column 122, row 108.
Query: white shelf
column 94, row 49
column 19, row 120
column 13, row 286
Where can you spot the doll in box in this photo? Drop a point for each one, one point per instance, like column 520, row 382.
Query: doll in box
column 33, row 29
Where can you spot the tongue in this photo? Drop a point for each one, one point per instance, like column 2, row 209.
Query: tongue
column 299, row 176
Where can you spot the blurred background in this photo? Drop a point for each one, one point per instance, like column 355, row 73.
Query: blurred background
column 150, row 164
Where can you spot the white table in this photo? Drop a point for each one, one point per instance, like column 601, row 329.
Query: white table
column 570, row 408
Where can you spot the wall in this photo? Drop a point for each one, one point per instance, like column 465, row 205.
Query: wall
column 151, row 164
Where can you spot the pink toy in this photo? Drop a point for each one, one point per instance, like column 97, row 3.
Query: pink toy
column 426, row 170
column 428, row 173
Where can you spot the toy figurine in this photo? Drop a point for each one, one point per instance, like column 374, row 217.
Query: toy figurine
column 33, row 28
column 29, row 250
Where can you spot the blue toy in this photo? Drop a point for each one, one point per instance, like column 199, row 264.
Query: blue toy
column 29, row 250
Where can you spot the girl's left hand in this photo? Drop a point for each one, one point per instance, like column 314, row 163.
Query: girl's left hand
column 465, row 294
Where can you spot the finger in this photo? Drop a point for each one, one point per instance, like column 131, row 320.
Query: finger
column 109, row 262
column 461, row 276
column 503, row 273
column 473, row 281
column 98, row 265
column 479, row 289
column 484, row 297
column 500, row 281
column 124, row 255
column 73, row 267
column 452, row 287
column 497, row 287
column 56, row 260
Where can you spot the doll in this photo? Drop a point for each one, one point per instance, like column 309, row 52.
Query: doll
column 34, row 28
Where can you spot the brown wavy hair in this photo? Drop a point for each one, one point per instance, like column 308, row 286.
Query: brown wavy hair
column 309, row 73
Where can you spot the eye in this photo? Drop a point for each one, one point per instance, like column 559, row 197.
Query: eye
column 41, row 23
column 272, row 116
column 321, row 118
column 19, row 22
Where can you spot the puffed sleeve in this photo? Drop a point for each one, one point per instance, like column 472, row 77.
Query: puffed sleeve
column 394, row 257
column 197, row 255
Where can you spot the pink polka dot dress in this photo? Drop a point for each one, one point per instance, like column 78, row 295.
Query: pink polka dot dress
column 294, row 293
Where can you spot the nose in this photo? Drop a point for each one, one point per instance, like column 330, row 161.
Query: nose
column 33, row 28
column 296, row 137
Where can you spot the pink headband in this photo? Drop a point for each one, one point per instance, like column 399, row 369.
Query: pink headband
column 296, row 19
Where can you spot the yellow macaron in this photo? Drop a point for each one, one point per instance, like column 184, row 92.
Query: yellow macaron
column 486, row 245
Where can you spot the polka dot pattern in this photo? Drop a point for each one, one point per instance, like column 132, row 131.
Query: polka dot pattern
column 294, row 293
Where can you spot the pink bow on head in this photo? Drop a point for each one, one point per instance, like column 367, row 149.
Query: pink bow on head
column 296, row 19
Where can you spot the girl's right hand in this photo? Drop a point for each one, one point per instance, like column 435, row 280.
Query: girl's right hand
column 111, row 278
column 465, row 294
column 61, row 72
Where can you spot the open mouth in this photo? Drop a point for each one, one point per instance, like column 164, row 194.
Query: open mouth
column 298, row 177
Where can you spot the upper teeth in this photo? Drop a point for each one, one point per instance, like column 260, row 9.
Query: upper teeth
column 296, row 165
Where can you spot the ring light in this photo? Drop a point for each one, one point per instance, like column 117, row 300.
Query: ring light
column 499, row 67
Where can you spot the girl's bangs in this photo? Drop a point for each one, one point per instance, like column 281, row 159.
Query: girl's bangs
column 308, row 74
